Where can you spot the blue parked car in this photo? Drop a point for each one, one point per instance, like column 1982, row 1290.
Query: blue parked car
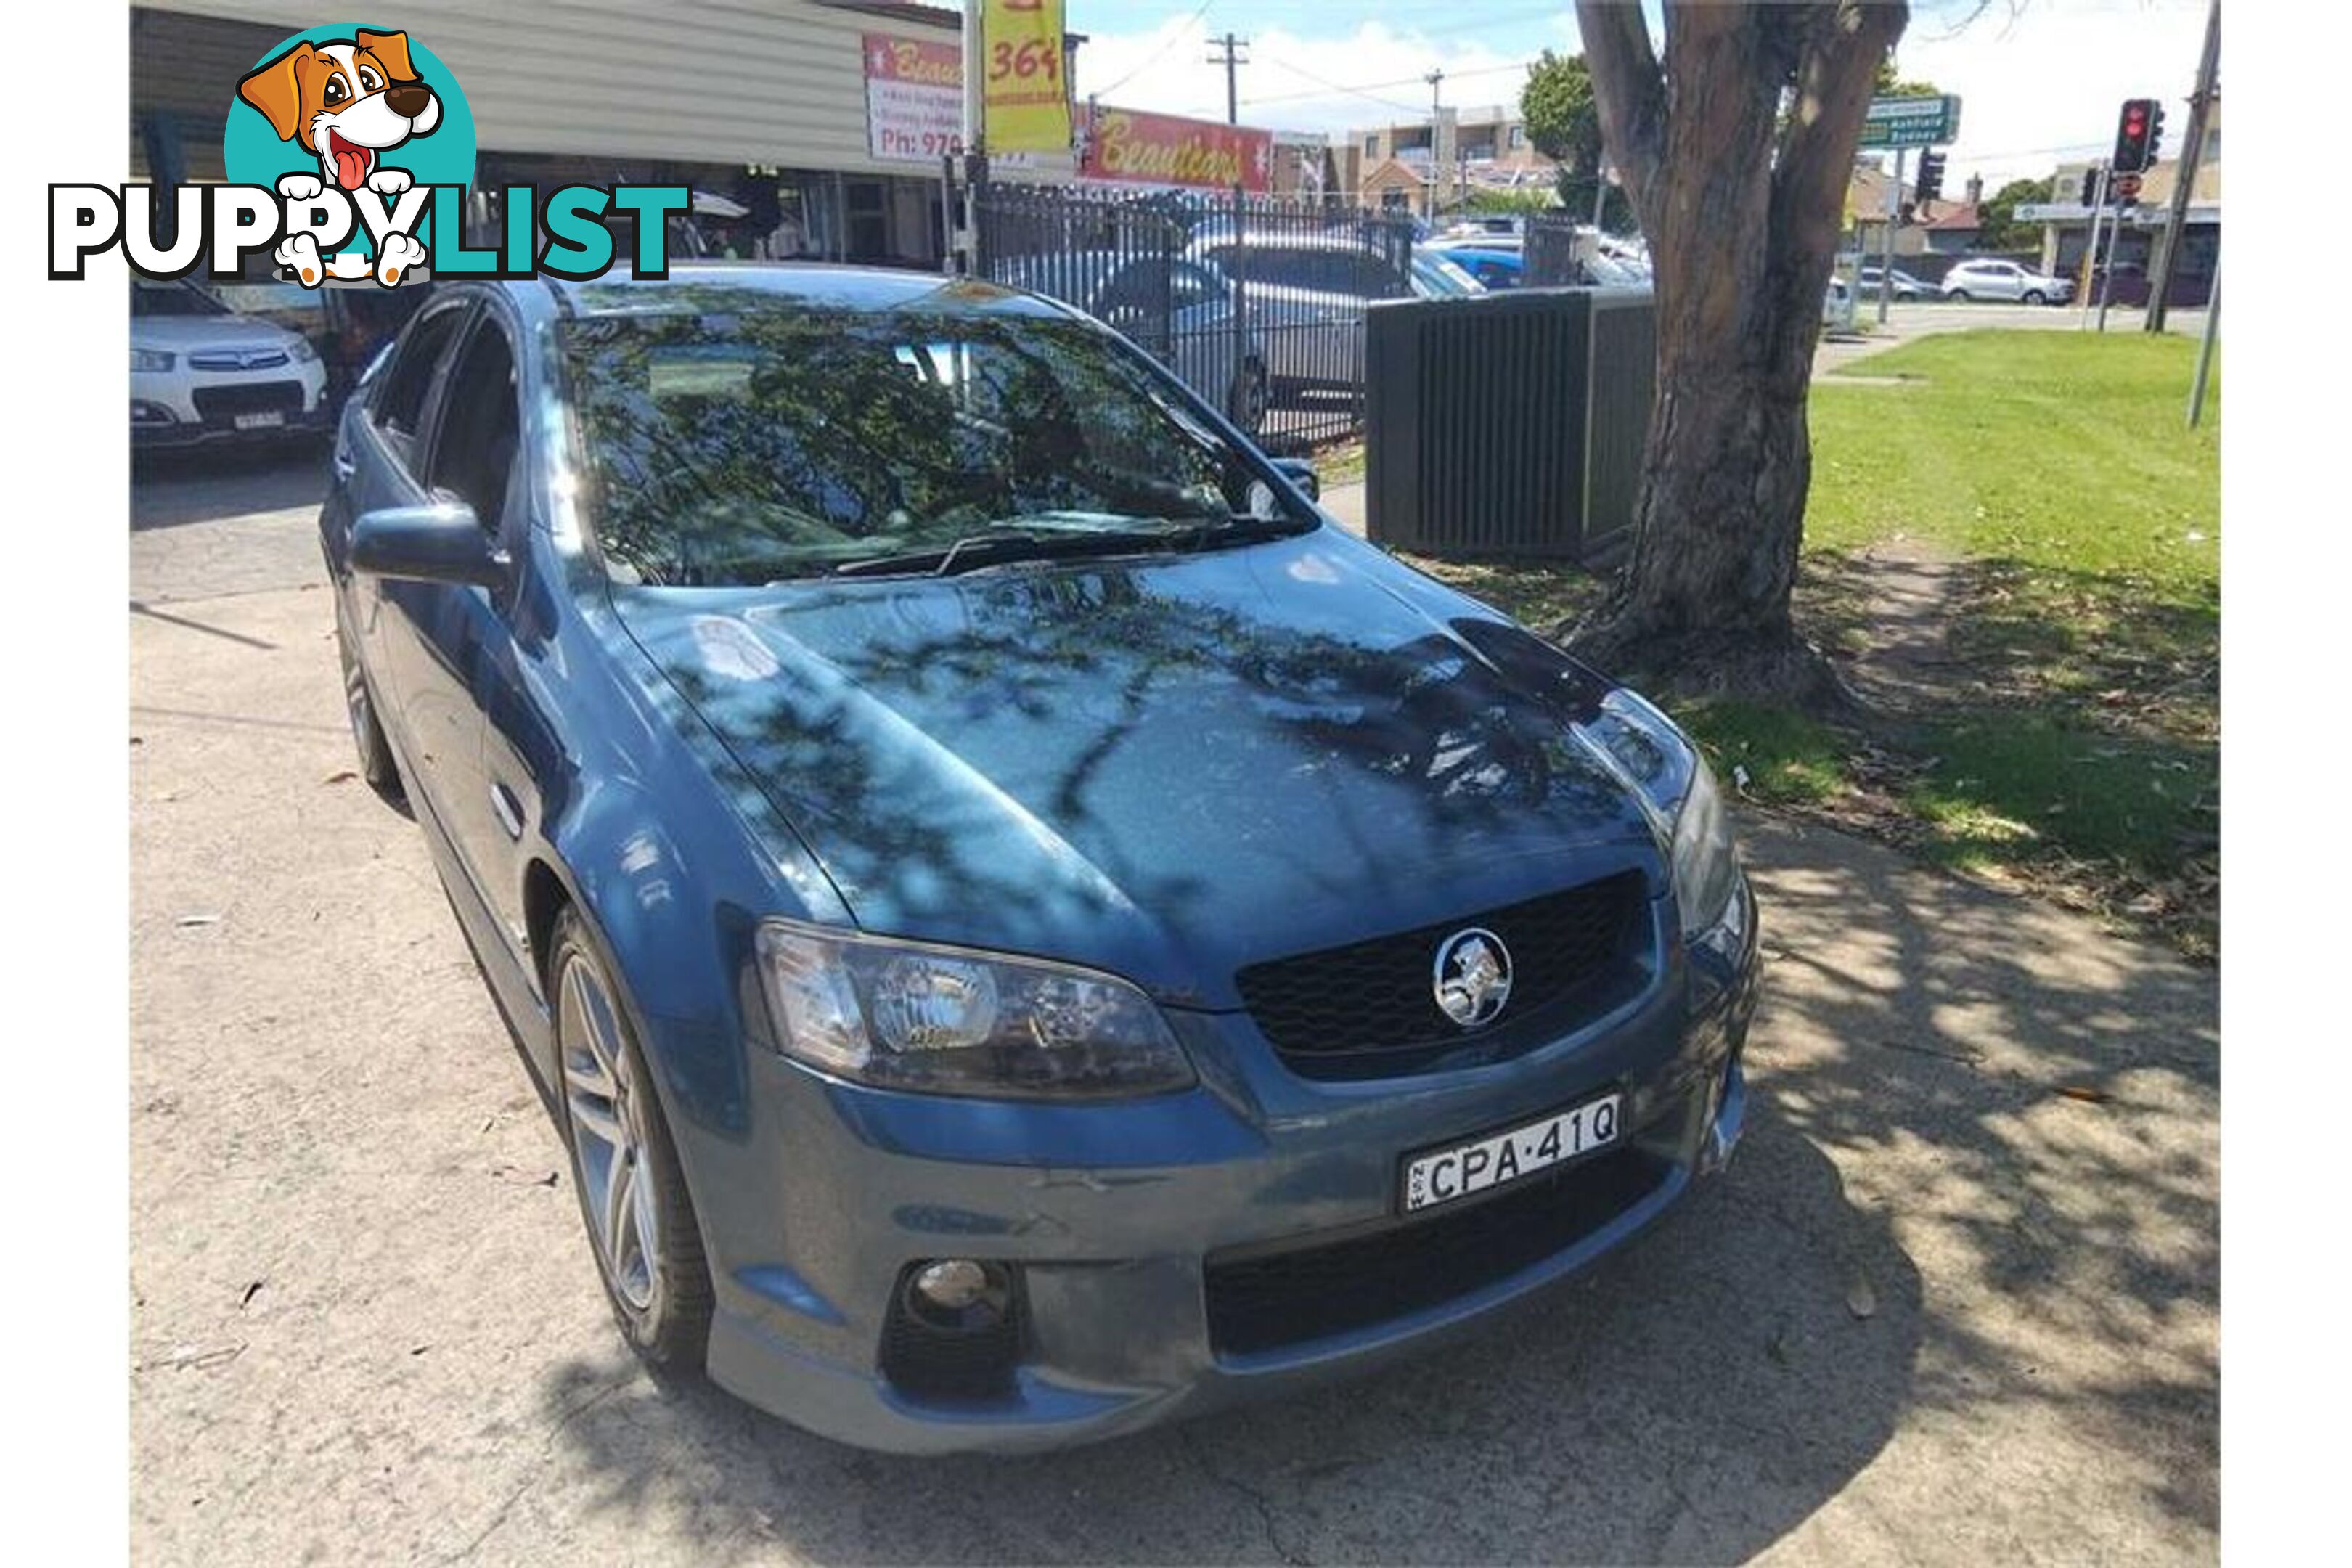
column 1495, row 267
column 1023, row 927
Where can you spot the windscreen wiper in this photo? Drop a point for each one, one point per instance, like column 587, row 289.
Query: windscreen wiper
column 974, row 550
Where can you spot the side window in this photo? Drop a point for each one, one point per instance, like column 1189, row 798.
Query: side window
column 399, row 400
column 1137, row 289
column 480, row 424
column 1190, row 286
column 1293, row 269
column 1376, row 278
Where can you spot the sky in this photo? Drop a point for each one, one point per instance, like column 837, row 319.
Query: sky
column 2040, row 80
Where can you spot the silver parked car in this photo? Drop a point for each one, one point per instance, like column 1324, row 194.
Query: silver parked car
column 1305, row 295
column 1138, row 294
column 1994, row 279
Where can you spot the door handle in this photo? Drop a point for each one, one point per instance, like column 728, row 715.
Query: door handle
column 344, row 464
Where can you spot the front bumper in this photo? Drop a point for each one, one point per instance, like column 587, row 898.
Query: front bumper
column 1131, row 1226
column 185, row 407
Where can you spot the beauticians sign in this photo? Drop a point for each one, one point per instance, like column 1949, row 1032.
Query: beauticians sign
column 914, row 98
column 1134, row 148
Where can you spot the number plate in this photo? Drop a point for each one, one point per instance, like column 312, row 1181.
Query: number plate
column 1480, row 1164
column 262, row 420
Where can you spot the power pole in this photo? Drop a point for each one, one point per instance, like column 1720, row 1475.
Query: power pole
column 1228, row 54
column 2184, row 172
column 1429, row 201
column 2205, row 349
column 965, row 242
column 1886, row 246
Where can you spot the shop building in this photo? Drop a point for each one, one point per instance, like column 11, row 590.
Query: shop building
column 804, row 138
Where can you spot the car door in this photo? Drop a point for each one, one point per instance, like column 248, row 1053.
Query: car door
column 1201, row 331
column 456, row 630
column 376, row 465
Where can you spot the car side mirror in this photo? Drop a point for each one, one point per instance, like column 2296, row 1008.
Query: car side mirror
column 1301, row 472
column 440, row 544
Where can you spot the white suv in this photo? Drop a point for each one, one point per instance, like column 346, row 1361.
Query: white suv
column 200, row 372
column 2004, row 280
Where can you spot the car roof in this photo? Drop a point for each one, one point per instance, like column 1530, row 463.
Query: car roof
column 803, row 285
column 1317, row 241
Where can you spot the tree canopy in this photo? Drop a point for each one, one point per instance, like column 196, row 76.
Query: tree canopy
column 2000, row 228
column 1563, row 123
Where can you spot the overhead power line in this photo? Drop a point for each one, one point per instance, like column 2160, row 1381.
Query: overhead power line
column 1367, row 89
column 1169, row 42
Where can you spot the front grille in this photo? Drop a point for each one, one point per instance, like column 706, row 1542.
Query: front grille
column 236, row 359
column 1267, row 1301
column 1380, row 996
column 221, row 404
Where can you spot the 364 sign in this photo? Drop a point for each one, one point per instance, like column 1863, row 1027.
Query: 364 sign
column 1024, row 99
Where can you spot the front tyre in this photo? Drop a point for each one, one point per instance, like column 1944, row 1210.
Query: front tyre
column 2034, row 297
column 632, row 1195
column 376, row 766
column 1247, row 403
column 1958, row 296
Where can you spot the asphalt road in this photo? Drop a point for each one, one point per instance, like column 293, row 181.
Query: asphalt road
column 1956, row 1303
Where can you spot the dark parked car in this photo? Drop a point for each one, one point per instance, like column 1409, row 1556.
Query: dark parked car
column 1024, row 929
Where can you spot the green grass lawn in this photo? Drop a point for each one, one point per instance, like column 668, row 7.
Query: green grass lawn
column 2074, row 742
column 2062, row 451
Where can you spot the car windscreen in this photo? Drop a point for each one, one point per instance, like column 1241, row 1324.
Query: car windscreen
column 736, row 448
column 173, row 300
column 1441, row 278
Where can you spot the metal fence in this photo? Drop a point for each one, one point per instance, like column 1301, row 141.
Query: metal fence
column 1258, row 305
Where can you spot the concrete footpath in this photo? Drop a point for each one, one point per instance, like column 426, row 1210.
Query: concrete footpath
column 1956, row 1303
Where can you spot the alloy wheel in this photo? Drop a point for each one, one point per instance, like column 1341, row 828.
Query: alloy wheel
column 609, row 1150
column 1250, row 399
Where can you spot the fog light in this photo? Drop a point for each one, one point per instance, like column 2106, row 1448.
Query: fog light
column 952, row 1284
column 953, row 1330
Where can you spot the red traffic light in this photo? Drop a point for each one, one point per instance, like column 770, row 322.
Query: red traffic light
column 2134, row 138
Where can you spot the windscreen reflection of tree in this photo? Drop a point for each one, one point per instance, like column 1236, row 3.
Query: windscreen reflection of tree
column 730, row 444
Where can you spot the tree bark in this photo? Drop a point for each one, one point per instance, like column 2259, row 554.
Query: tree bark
column 1735, row 153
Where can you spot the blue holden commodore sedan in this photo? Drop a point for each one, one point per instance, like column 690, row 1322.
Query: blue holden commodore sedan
column 1025, row 928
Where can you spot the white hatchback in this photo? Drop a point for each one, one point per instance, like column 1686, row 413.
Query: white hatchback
column 2004, row 280
column 200, row 372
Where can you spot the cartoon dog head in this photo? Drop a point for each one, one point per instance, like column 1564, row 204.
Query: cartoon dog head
column 347, row 102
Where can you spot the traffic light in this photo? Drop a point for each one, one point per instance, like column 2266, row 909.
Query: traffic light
column 2137, row 130
column 2127, row 190
column 1931, row 177
column 2090, row 184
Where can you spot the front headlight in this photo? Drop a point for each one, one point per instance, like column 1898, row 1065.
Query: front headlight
column 150, row 359
column 1651, row 752
column 1706, row 870
column 302, row 351
column 941, row 1020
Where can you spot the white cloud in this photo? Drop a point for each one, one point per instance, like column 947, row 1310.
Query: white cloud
column 2041, row 82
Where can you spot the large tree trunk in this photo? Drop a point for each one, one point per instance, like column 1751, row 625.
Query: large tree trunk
column 1741, row 196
